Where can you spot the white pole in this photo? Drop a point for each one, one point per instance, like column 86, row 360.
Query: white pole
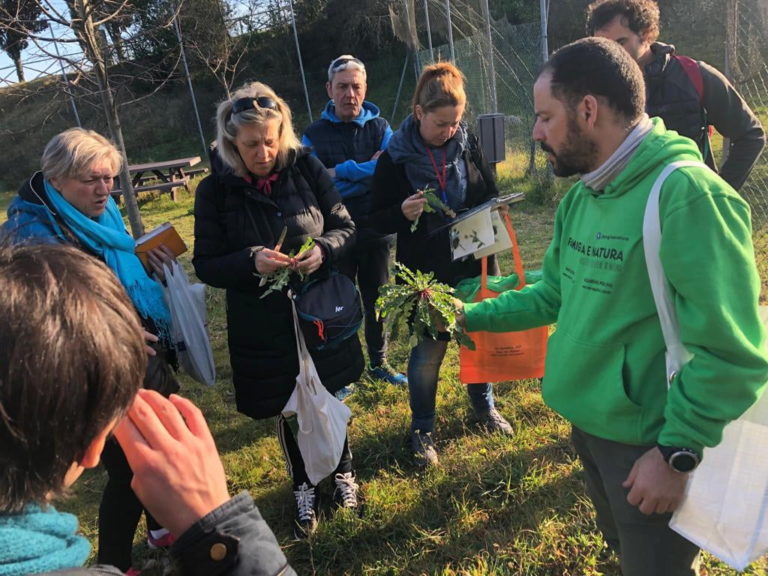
column 544, row 8
column 64, row 76
column 491, row 67
column 177, row 27
column 429, row 30
column 301, row 65
column 450, row 30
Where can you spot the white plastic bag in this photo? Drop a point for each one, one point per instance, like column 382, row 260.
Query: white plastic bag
column 725, row 510
column 322, row 418
column 188, row 324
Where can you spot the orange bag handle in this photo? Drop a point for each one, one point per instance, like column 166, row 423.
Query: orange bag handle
column 515, row 257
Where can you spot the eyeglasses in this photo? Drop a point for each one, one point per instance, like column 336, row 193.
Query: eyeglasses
column 243, row 104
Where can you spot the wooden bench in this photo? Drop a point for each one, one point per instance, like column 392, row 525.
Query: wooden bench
column 158, row 186
column 196, row 171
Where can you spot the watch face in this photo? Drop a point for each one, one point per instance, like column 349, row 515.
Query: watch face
column 683, row 461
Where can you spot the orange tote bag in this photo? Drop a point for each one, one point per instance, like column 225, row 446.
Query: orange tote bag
column 500, row 356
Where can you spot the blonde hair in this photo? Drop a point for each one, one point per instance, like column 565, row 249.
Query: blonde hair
column 70, row 154
column 228, row 125
column 439, row 85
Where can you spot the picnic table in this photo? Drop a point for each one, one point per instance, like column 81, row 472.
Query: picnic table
column 167, row 175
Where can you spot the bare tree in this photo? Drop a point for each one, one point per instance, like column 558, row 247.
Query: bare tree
column 84, row 22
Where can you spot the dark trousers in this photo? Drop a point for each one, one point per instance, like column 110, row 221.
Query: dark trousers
column 645, row 543
column 293, row 458
column 120, row 510
column 369, row 263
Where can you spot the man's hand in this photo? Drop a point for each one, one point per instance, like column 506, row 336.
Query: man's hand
column 308, row 261
column 177, row 472
column 266, row 261
column 653, row 486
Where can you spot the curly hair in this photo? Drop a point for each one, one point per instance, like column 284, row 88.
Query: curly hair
column 642, row 16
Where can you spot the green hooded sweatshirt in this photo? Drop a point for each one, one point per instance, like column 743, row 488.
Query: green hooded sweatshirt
column 605, row 369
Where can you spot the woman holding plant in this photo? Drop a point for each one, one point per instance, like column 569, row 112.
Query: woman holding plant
column 432, row 156
column 265, row 197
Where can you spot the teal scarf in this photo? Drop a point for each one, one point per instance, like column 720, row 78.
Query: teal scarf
column 106, row 237
column 40, row 540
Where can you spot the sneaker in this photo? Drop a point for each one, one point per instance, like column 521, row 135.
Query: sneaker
column 306, row 511
column 423, row 448
column 163, row 542
column 492, row 422
column 344, row 393
column 345, row 493
column 385, row 372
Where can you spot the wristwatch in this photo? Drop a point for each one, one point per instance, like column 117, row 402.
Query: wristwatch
column 679, row 459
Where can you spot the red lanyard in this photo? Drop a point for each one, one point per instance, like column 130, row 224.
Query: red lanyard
column 440, row 175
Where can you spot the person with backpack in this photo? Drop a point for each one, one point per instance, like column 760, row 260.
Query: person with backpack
column 433, row 148
column 348, row 139
column 689, row 95
column 265, row 197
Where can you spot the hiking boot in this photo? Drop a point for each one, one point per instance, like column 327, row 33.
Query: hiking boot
column 161, row 543
column 492, row 422
column 345, row 392
column 345, row 493
column 306, row 511
column 385, row 372
column 423, row 448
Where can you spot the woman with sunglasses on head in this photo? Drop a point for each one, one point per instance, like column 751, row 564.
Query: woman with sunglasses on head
column 264, row 197
column 69, row 202
column 432, row 148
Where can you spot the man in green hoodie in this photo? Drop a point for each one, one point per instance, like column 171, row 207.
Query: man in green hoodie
column 605, row 369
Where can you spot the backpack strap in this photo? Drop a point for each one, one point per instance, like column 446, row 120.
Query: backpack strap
column 692, row 70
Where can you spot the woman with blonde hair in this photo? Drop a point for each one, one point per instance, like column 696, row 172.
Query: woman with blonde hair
column 265, row 196
column 432, row 148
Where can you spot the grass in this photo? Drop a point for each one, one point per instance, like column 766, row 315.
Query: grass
column 496, row 505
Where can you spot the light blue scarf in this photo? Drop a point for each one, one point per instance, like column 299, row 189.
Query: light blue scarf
column 40, row 540
column 106, row 237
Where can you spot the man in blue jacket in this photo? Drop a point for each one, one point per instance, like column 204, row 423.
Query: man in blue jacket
column 348, row 139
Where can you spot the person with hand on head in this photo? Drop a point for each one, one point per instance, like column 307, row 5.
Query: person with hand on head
column 72, row 356
column 433, row 148
column 348, row 139
column 688, row 95
column 69, row 202
column 637, row 434
column 264, row 197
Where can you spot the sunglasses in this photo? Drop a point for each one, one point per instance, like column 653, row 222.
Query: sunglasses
column 339, row 62
column 243, row 104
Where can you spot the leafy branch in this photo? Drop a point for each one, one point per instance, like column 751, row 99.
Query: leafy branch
column 421, row 302
column 433, row 204
column 278, row 280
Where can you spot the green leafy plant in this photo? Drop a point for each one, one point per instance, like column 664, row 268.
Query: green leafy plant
column 433, row 205
column 424, row 303
column 278, row 280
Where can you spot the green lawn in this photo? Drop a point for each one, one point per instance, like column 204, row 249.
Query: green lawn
column 506, row 506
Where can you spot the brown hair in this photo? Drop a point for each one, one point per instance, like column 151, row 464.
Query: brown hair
column 641, row 16
column 72, row 358
column 439, row 85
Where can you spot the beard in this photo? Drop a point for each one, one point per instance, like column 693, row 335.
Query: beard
column 576, row 155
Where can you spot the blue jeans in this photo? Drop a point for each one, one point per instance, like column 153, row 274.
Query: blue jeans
column 423, row 372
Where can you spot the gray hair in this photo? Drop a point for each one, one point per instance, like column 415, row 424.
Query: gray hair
column 229, row 124
column 72, row 152
column 345, row 62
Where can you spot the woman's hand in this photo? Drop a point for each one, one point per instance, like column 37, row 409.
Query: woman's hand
column 158, row 256
column 150, row 339
column 413, row 206
column 309, row 260
column 267, row 261
column 177, row 472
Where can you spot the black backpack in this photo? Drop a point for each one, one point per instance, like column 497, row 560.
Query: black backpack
column 329, row 310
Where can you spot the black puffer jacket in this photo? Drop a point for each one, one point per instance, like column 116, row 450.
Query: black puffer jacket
column 423, row 249
column 231, row 216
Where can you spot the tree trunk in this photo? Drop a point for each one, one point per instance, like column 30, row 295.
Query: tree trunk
column 89, row 38
column 19, row 69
